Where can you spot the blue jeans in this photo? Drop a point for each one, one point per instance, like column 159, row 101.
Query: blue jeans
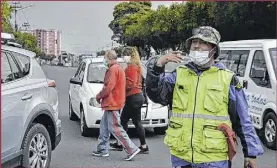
column 110, row 124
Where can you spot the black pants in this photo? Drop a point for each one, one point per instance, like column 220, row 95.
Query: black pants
column 132, row 109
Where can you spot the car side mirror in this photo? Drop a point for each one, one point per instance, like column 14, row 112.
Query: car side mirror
column 75, row 80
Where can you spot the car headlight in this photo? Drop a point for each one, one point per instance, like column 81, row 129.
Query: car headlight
column 93, row 102
column 156, row 106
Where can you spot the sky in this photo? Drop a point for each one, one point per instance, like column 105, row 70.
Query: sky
column 84, row 25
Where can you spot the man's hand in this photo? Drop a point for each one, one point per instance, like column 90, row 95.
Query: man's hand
column 250, row 163
column 170, row 57
column 98, row 99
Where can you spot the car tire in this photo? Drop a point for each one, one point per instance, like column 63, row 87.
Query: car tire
column 72, row 115
column 30, row 147
column 85, row 131
column 160, row 130
column 269, row 131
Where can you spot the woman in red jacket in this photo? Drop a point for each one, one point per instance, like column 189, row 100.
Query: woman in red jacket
column 134, row 97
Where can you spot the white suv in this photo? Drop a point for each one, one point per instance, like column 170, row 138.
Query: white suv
column 31, row 127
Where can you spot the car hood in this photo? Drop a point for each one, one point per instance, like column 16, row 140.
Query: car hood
column 94, row 88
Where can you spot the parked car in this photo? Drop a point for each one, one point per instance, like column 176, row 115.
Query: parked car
column 30, row 124
column 84, row 86
column 254, row 62
column 55, row 62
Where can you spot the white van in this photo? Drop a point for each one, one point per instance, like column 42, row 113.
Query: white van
column 254, row 62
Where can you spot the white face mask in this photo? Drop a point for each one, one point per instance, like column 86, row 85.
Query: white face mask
column 200, row 58
column 127, row 59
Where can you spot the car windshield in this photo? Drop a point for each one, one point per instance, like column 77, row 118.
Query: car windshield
column 96, row 73
column 273, row 56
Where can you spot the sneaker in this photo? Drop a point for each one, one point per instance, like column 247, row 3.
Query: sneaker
column 115, row 146
column 131, row 156
column 144, row 150
column 100, row 154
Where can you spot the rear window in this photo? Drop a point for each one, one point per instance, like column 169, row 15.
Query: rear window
column 234, row 60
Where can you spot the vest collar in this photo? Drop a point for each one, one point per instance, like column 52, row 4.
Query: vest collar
column 214, row 68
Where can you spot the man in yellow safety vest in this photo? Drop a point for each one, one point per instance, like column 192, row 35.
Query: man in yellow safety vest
column 203, row 95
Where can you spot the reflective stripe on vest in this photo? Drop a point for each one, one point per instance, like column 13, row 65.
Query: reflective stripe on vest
column 220, row 118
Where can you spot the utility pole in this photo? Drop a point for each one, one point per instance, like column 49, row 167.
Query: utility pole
column 16, row 6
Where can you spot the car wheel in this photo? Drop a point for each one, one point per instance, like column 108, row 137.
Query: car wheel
column 269, row 131
column 37, row 147
column 72, row 115
column 160, row 130
column 85, row 131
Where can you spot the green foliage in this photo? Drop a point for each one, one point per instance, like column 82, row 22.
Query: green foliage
column 28, row 41
column 136, row 24
column 6, row 12
column 100, row 53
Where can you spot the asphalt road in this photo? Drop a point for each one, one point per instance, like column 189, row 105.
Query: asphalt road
column 74, row 151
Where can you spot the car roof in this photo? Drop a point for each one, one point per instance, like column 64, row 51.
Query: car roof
column 100, row 59
column 18, row 50
column 270, row 43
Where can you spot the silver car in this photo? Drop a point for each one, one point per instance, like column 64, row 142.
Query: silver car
column 31, row 127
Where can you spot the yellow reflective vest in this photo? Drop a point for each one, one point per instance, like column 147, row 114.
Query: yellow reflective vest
column 200, row 104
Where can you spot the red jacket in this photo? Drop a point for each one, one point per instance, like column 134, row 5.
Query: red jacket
column 133, row 80
column 112, row 95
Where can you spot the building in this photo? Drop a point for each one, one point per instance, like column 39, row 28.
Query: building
column 49, row 41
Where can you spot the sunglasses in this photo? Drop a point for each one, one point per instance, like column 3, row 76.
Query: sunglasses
column 204, row 32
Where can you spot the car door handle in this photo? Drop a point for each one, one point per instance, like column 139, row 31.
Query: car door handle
column 26, row 96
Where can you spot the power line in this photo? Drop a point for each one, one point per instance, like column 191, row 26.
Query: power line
column 16, row 6
column 27, row 21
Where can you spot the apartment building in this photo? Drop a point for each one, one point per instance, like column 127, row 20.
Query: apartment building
column 49, row 41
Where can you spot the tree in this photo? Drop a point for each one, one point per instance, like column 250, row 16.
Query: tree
column 169, row 27
column 6, row 12
column 28, row 41
column 124, row 16
column 119, row 50
column 100, row 53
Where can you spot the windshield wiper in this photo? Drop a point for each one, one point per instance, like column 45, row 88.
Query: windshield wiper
column 96, row 81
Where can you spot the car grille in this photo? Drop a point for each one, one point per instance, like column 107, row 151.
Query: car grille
column 146, row 122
